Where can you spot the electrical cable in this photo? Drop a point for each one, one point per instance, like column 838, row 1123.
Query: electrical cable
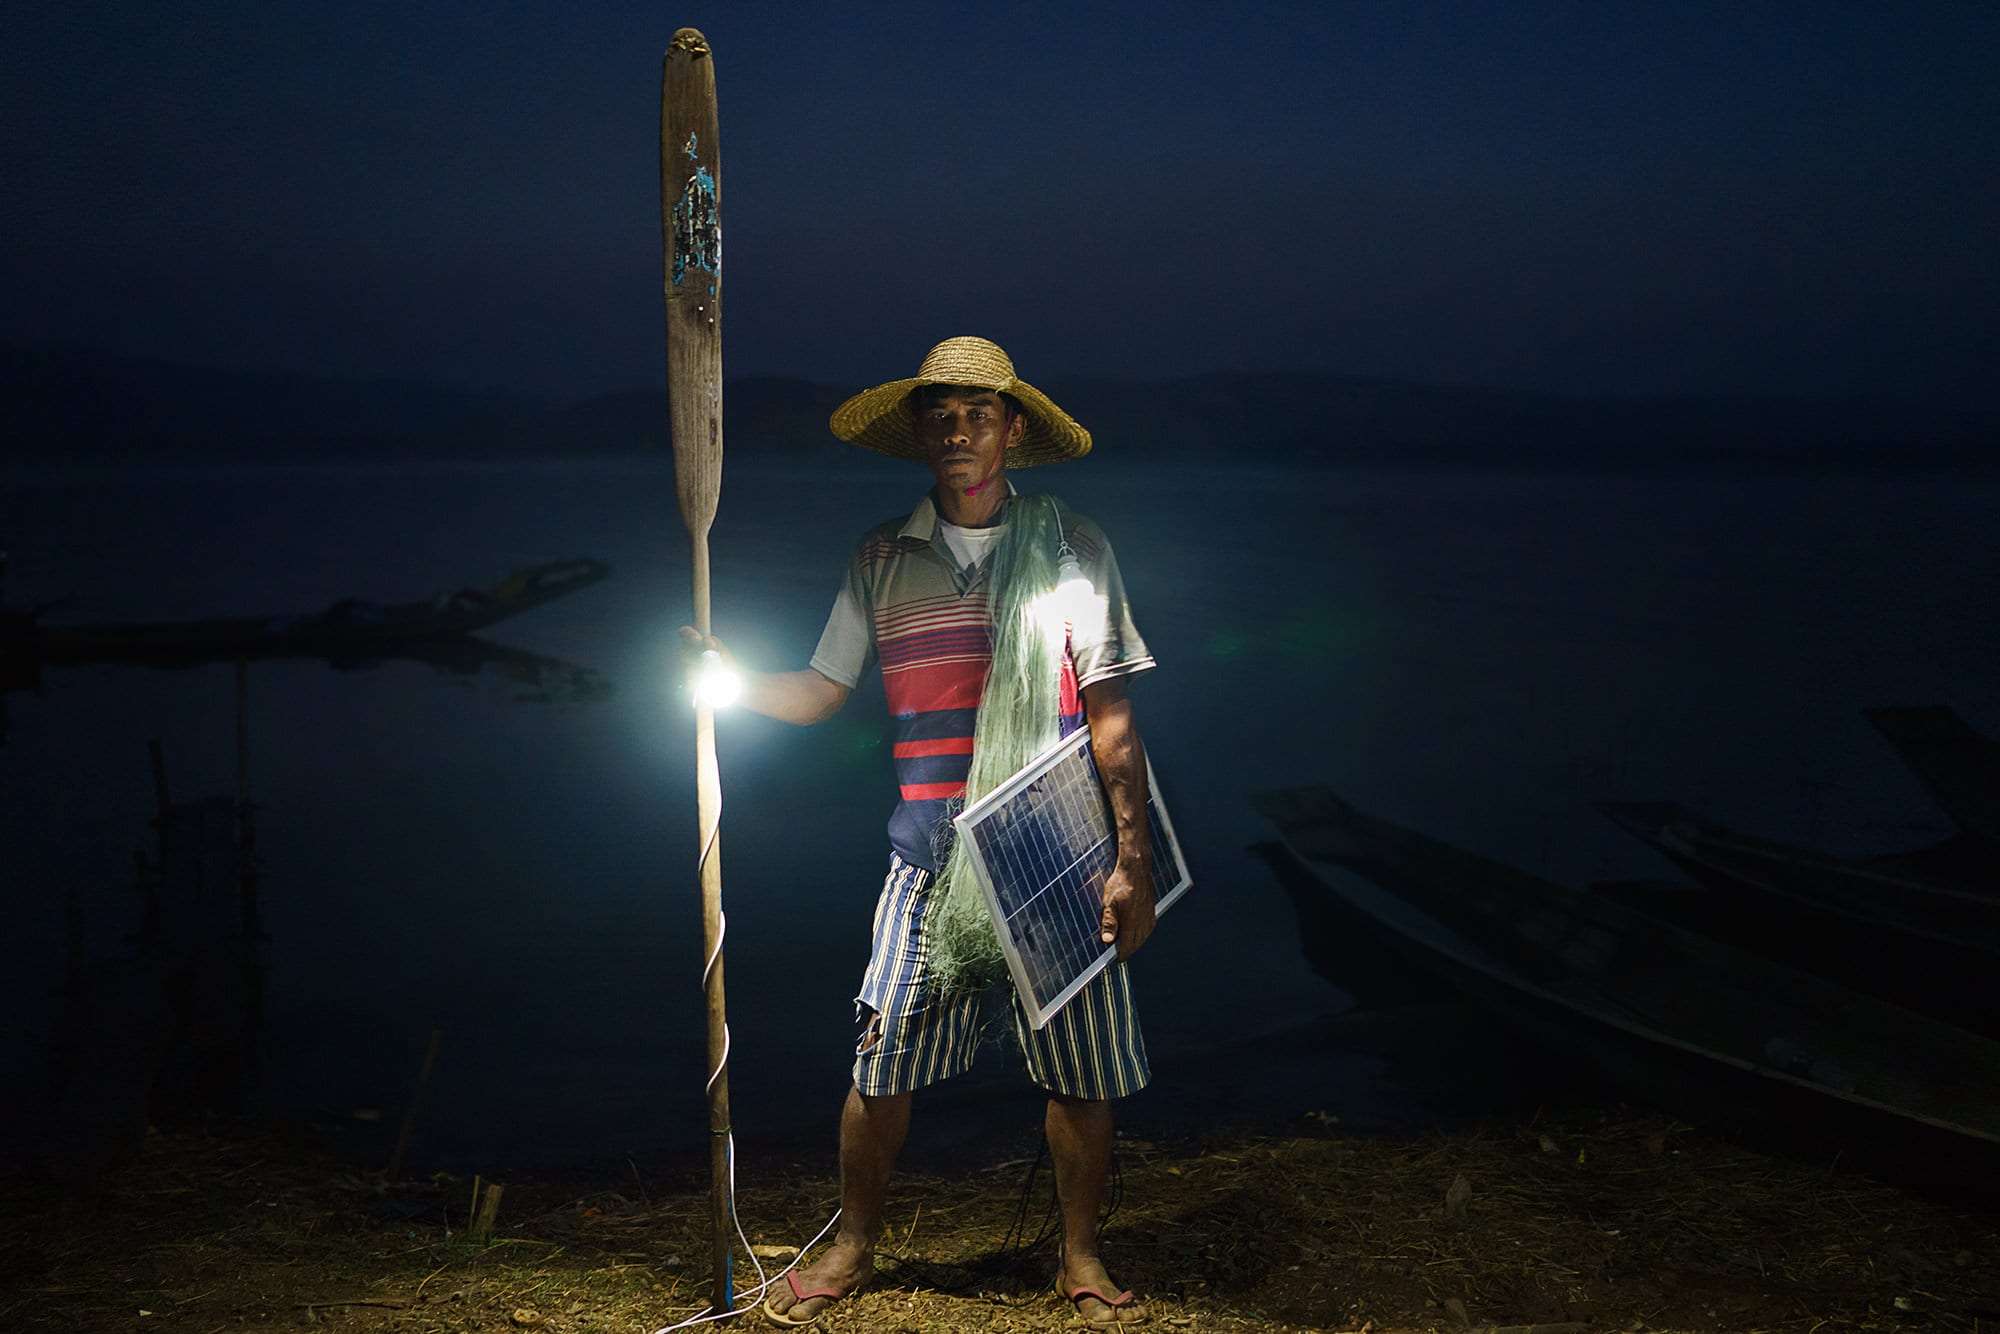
column 721, row 1069
column 722, row 1065
column 1015, row 1243
column 753, row 1297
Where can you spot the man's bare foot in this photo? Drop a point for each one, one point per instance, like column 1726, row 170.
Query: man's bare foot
column 1088, row 1272
column 841, row 1271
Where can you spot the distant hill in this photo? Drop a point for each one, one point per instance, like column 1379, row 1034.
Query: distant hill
column 763, row 414
column 66, row 402
column 1329, row 419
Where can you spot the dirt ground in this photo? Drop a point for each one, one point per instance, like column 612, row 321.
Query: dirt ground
column 1601, row 1221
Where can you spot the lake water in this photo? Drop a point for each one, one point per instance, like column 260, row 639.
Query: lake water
column 1480, row 655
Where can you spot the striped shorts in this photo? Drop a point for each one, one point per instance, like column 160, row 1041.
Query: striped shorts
column 1090, row 1049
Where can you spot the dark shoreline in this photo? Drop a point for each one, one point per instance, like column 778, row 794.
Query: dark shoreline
column 1591, row 1218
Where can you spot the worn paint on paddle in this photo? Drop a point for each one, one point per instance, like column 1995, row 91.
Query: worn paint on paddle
column 697, row 226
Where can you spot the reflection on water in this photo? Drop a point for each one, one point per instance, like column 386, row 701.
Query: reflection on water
column 1478, row 655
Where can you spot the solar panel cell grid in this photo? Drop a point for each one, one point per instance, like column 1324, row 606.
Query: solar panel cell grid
column 1042, row 845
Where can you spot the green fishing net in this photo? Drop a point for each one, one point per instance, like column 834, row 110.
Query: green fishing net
column 1018, row 718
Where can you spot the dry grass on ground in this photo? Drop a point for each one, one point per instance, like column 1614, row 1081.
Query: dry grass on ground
column 1627, row 1223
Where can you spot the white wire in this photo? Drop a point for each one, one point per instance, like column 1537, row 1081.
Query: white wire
column 721, row 930
column 721, row 1066
column 751, row 1298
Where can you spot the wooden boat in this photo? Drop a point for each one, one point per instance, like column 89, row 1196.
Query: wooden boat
column 1957, row 764
column 1373, row 979
column 1676, row 901
column 1671, row 1017
column 1922, row 943
column 347, row 629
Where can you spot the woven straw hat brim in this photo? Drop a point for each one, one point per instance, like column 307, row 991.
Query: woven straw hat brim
column 880, row 419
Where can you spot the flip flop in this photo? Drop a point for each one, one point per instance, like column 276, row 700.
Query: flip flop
column 1118, row 1303
column 799, row 1294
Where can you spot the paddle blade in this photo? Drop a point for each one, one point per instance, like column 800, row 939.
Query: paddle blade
column 691, row 232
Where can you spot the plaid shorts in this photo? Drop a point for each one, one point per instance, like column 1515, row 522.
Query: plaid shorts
column 910, row 1037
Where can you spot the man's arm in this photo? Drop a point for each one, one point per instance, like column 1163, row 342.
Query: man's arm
column 800, row 697
column 1121, row 763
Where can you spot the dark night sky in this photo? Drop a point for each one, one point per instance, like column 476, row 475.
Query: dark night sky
column 1792, row 199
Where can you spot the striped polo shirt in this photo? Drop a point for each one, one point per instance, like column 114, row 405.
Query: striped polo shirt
column 905, row 604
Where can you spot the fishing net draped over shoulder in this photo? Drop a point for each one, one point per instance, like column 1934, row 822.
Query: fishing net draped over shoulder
column 1018, row 718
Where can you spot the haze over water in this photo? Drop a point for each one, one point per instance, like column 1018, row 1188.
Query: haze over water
column 1478, row 654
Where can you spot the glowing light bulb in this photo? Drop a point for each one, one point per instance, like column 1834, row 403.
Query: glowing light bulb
column 1073, row 602
column 714, row 684
column 1075, row 595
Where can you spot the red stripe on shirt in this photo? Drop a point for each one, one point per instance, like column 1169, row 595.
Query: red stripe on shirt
column 932, row 791
column 950, row 745
column 955, row 683
column 969, row 610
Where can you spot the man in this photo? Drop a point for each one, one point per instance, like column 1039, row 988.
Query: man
column 919, row 598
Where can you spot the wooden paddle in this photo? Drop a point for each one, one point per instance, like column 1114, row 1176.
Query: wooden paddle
column 691, row 229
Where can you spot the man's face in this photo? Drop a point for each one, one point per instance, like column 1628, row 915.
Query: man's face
column 964, row 432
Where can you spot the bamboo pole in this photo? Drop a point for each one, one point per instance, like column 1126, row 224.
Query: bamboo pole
column 691, row 234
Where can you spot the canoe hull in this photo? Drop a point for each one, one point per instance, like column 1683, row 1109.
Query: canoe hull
column 1596, row 984
column 1932, row 948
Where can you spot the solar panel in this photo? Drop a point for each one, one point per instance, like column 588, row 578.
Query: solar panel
column 1041, row 845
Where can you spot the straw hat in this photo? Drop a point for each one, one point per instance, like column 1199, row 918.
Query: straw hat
column 880, row 418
